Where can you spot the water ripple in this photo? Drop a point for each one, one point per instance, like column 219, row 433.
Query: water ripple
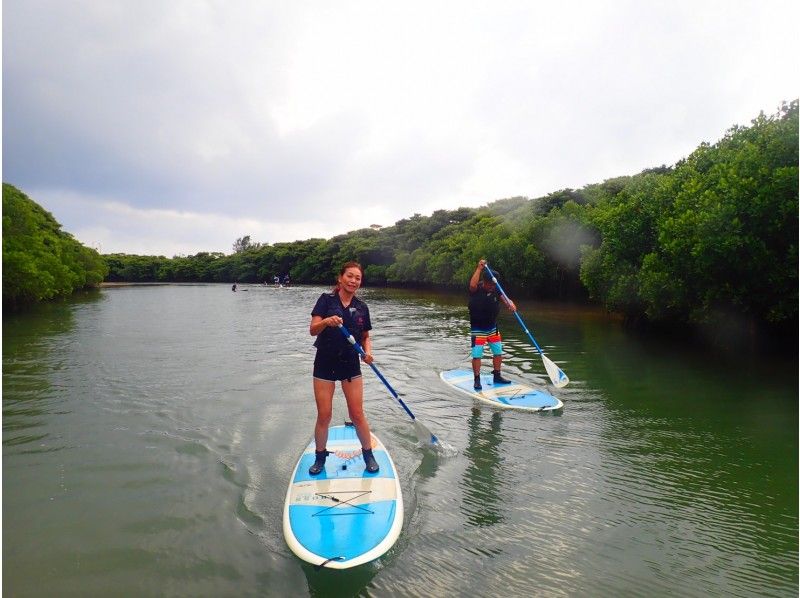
column 149, row 437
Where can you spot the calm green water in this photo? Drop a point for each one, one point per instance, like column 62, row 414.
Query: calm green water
column 149, row 434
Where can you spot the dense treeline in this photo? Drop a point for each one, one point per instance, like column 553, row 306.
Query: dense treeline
column 40, row 261
column 713, row 237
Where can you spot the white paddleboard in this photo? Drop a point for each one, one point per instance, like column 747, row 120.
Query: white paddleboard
column 516, row 395
column 344, row 516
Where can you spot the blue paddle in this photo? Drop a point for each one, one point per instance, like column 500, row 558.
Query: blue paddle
column 557, row 376
column 424, row 435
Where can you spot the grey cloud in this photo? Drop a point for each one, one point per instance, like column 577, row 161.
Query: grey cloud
column 180, row 105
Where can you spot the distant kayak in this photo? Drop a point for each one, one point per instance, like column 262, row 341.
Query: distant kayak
column 516, row 395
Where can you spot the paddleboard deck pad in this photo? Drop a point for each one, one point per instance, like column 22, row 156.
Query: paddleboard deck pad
column 345, row 516
column 516, row 395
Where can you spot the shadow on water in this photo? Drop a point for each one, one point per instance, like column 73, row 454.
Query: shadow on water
column 339, row 583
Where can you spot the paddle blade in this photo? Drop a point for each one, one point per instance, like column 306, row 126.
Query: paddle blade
column 424, row 435
column 557, row 376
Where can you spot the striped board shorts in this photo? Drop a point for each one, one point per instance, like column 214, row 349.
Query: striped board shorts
column 481, row 338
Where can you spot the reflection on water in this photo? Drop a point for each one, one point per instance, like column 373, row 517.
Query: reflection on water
column 34, row 346
column 150, row 432
column 481, row 504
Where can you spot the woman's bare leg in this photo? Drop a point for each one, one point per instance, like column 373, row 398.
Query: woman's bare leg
column 354, row 395
column 323, row 395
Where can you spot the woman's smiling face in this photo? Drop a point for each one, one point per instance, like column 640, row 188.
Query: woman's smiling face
column 350, row 281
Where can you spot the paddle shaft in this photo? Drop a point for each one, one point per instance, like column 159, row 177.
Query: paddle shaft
column 516, row 314
column 361, row 352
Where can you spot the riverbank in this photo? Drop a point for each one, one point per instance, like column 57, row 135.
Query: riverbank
column 104, row 285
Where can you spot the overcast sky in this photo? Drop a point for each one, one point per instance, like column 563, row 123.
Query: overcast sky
column 176, row 126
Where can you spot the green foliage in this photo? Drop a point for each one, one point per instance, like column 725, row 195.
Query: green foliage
column 40, row 261
column 717, row 235
column 242, row 244
column 626, row 218
column 728, row 241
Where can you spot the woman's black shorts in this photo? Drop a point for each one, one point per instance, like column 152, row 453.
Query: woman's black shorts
column 332, row 366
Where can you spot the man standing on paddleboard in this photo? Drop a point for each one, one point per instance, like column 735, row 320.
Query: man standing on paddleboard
column 337, row 360
column 484, row 306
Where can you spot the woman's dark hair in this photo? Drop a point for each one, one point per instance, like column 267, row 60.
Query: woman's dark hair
column 349, row 265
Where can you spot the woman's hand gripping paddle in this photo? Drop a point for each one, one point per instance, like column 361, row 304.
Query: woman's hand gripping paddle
column 424, row 435
column 557, row 376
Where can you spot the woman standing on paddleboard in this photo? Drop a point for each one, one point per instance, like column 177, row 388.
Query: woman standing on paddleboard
column 337, row 360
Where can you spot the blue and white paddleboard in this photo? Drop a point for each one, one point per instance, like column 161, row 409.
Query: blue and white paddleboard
column 516, row 395
column 344, row 516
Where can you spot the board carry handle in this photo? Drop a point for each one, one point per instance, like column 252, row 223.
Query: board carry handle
column 423, row 434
